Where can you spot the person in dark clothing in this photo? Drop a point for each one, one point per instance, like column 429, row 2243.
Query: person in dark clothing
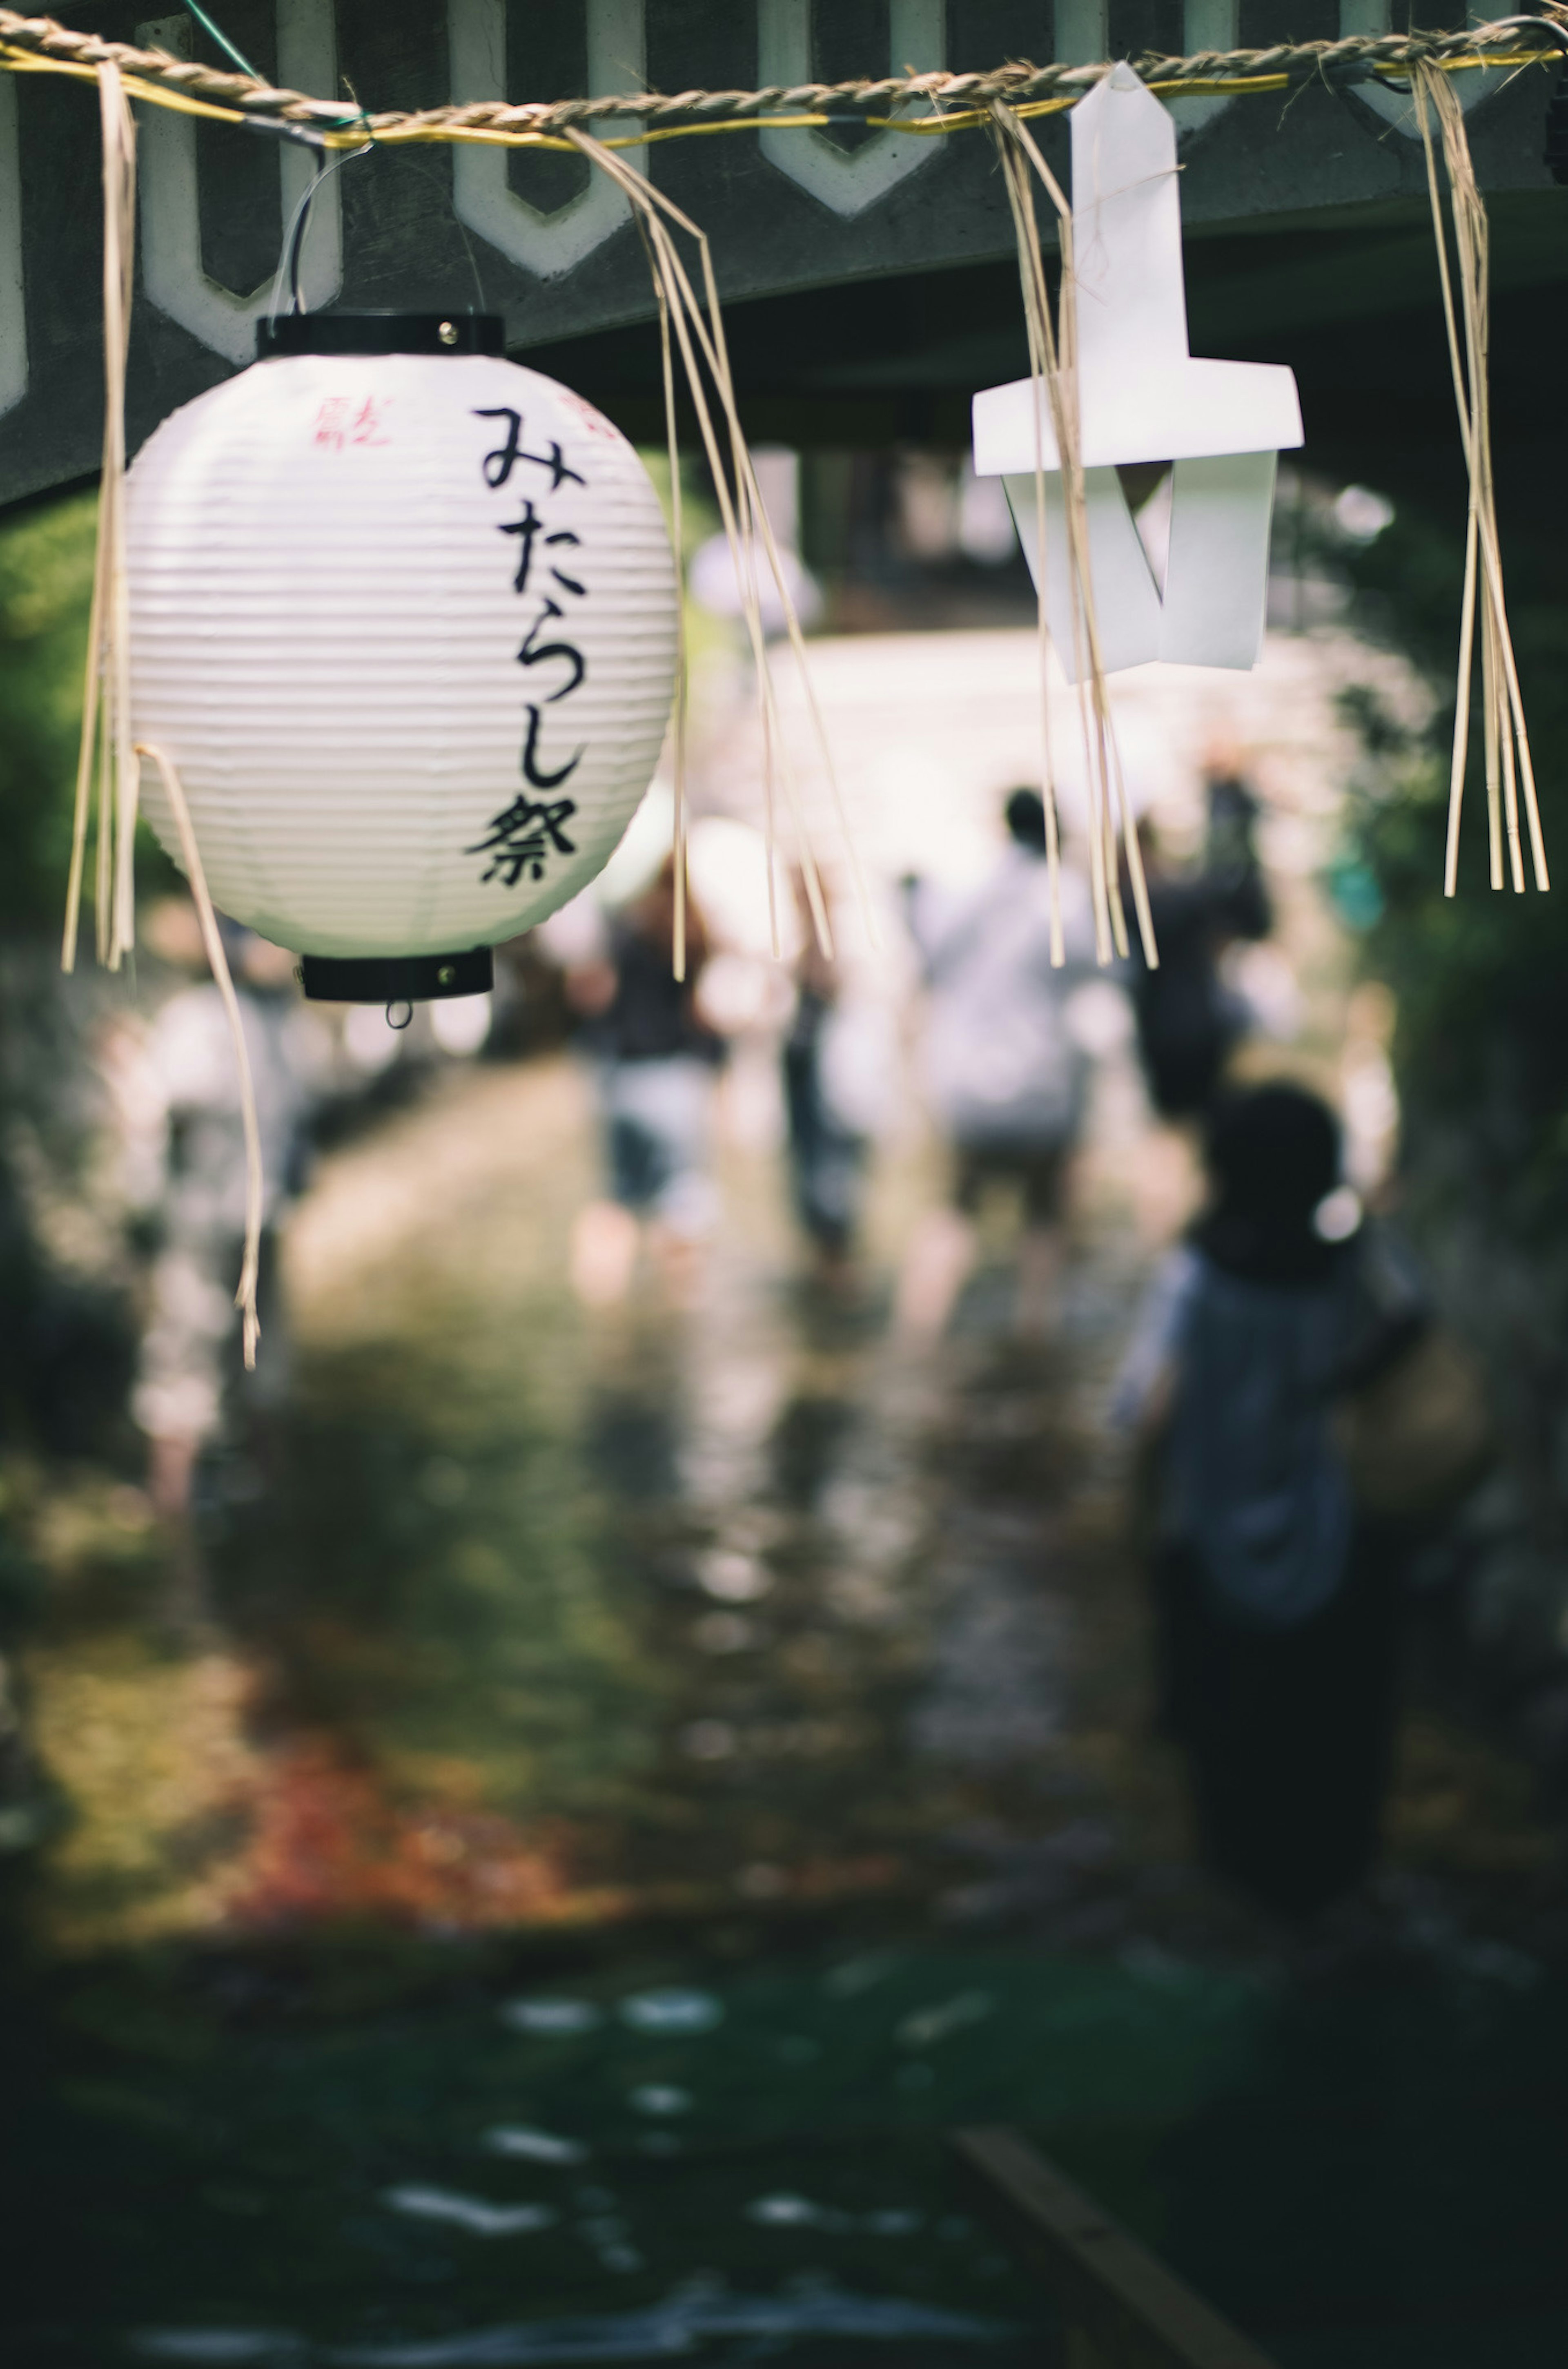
column 654, row 1059
column 1275, row 1600
column 1187, row 1020
column 826, row 1153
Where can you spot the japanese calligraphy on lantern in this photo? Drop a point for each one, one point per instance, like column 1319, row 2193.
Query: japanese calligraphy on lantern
column 518, row 840
column 543, row 556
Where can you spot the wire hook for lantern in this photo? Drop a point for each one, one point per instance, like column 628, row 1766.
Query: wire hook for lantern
column 299, row 224
column 399, row 1003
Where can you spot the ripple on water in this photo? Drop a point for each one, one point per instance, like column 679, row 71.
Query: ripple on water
column 787, row 2211
column 929, row 2024
column 535, row 2147
column 475, row 2213
column 671, row 2011
column 661, row 2098
column 552, row 2018
column 700, row 2309
column 218, row 2346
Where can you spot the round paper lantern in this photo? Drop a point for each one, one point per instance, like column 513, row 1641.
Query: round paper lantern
column 403, row 616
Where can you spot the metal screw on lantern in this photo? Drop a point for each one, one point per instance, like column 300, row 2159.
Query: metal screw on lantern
column 447, row 333
column 445, row 976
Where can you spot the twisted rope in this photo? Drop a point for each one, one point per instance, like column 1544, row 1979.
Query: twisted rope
column 955, row 102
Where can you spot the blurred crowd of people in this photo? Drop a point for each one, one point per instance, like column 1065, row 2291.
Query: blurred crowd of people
column 965, row 1001
column 1274, row 1587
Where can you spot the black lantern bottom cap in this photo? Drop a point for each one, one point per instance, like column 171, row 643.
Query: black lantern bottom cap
column 397, row 979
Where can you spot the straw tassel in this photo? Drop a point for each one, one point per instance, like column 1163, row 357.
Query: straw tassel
column 212, row 939
column 1505, row 739
column 108, row 746
column 106, row 704
column 1053, row 366
column 702, row 347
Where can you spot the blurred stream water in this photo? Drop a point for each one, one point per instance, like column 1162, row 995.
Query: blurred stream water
column 627, row 1784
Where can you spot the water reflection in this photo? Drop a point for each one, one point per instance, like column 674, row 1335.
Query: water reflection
column 680, row 2326
column 317, row 2172
column 470, row 2212
column 636, row 1781
column 739, row 1606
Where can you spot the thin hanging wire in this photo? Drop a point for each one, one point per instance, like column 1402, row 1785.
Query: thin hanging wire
column 289, row 260
column 238, row 57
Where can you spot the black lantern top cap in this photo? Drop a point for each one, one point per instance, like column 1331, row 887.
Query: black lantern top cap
column 380, row 333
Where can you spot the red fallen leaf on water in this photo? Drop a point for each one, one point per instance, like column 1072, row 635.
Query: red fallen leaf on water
column 328, row 1842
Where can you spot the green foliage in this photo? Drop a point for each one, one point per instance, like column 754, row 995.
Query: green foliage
column 1482, row 979
column 46, row 581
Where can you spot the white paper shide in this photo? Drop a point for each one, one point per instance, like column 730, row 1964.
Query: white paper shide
column 1143, row 397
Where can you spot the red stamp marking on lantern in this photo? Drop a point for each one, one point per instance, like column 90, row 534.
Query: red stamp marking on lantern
column 594, row 421
column 345, row 420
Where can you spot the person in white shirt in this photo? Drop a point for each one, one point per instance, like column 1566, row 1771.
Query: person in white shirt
column 1006, row 1076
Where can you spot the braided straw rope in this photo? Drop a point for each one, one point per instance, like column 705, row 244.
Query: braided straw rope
column 955, row 101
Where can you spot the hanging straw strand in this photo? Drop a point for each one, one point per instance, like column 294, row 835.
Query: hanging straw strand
column 84, row 768
column 740, row 505
column 755, row 520
column 1036, row 311
column 677, row 538
column 120, row 252
column 1110, row 760
column 1059, row 354
column 107, row 731
column 735, row 513
column 212, row 939
column 106, row 697
column 1505, row 739
column 1047, row 368
column 1053, row 356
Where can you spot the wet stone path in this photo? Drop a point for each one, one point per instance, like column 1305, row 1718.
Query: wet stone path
column 627, row 1784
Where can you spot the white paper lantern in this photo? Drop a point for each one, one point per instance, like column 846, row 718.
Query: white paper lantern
column 405, row 623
